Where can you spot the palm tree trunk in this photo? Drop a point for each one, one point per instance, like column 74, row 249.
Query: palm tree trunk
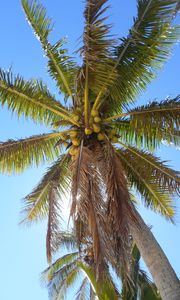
column 163, row 274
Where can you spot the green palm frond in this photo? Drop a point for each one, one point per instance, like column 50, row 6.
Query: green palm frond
column 147, row 288
column 68, row 240
column 47, row 275
column 15, row 156
column 36, row 204
column 30, row 99
column 144, row 51
column 164, row 176
column 138, row 138
column 143, row 288
column 95, row 51
column 63, row 279
column 60, row 65
column 68, row 282
column 151, row 178
column 104, row 288
column 84, row 290
column 160, row 119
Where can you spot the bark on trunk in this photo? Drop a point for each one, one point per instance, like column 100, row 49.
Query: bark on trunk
column 163, row 274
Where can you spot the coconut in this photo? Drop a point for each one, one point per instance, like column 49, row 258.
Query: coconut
column 94, row 113
column 73, row 151
column 73, row 133
column 76, row 118
column 88, row 131
column 100, row 137
column 97, row 119
column 96, row 128
column 75, row 142
column 114, row 140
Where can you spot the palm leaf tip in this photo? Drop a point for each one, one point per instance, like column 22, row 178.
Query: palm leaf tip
column 60, row 66
column 37, row 17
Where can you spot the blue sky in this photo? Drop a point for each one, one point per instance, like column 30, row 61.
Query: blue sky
column 22, row 251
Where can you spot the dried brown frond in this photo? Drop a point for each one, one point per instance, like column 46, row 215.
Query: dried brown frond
column 86, row 202
column 52, row 237
column 119, row 210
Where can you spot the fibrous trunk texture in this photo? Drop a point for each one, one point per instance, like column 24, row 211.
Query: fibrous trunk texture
column 163, row 274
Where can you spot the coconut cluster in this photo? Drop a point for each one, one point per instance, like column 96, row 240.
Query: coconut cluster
column 96, row 129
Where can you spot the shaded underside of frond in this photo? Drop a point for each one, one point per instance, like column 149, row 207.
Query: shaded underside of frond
column 138, row 138
column 68, row 239
column 15, row 156
column 161, row 117
column 149, row 125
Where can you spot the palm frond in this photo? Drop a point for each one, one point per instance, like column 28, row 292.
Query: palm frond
column 103, row 288
column 84, row 289
column 62, row 280
column 119, row 209
column 36, row 204
column 165, row 177
column 86, row 199
column 68, row 239
column 95, row 51
column 68, row 259
column 30, row 99
column 54, row 213
column 140, row 137
column 151, row 180
column 15, row 156
column 147, row 289
column 144, row 51
column 60, row 65
column 161, row 117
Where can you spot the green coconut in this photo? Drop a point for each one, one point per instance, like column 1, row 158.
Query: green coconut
column 75, row 142
column 100, row 137
column 97, row 119
column 94, row 113
column 96, row 128
column 88, row 131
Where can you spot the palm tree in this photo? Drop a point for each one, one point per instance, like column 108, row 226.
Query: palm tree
column 97, row 135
